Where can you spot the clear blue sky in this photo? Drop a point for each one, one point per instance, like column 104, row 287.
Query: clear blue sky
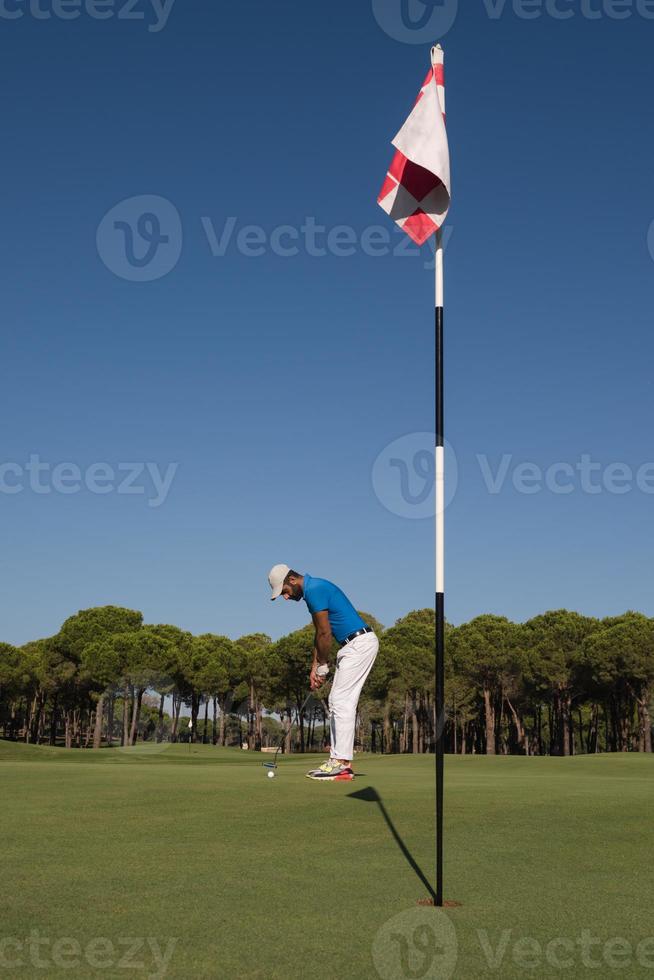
column 275, row 382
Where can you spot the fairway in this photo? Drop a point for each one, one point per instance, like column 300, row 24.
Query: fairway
column 260, row 878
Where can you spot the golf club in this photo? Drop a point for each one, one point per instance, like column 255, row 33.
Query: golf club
column 271, row 766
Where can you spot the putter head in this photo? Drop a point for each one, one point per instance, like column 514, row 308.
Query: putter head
column 269, row 765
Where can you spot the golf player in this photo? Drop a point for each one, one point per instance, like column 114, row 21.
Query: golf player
column 334, row 617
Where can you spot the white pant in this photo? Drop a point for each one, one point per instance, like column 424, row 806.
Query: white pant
column 353, row 664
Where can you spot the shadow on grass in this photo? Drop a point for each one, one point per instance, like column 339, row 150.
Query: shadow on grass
column 370, row 795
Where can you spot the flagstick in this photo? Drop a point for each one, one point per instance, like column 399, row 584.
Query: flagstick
column 440, row 569
column 422, row 141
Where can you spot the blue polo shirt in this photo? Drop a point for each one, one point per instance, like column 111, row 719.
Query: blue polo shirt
column 319, row 594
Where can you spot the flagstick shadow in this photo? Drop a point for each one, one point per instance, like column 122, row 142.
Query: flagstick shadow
column 370, row 795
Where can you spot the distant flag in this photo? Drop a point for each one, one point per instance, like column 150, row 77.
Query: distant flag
column 416, row 191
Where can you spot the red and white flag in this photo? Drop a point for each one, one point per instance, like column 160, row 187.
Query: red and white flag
column 416, row 192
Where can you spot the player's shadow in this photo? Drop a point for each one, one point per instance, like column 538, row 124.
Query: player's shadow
column 370, row 795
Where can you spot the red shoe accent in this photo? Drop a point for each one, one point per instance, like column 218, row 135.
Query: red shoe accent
column 344, row 776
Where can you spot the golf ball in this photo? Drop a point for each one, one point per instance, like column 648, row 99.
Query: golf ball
column 271, row 775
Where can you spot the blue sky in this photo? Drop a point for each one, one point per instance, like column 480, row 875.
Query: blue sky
column 267, row 385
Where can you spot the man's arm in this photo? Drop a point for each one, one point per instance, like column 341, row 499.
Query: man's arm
column 322, row 646
column 323, row 640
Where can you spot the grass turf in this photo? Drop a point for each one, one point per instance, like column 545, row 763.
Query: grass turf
column 286, row 878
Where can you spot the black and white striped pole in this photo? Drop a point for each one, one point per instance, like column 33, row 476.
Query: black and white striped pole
column 440, row 568
column 416, row 194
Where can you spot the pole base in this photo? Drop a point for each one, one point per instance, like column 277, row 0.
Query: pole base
column 446, row 905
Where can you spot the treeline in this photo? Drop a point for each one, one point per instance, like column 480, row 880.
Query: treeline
column 559, row 684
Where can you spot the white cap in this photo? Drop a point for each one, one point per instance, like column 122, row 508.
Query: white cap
column 276, row 577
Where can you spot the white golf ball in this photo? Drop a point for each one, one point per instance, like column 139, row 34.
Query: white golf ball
column 271, row 775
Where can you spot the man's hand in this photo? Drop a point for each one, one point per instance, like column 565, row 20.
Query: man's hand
column 315, row 681
column 322, row 649
column 318, row 675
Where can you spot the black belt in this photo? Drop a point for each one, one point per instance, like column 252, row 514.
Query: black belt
column 352, row 636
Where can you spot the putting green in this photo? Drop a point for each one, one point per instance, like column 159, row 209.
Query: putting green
column 114, row 860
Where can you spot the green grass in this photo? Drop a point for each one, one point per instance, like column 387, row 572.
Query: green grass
column 285, row 878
